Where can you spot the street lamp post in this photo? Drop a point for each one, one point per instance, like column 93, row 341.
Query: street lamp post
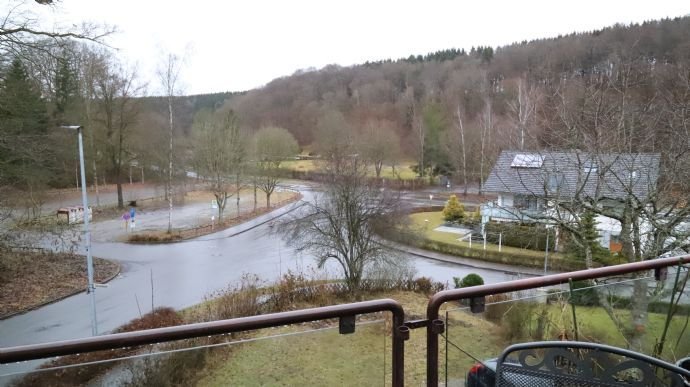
column 91, row 289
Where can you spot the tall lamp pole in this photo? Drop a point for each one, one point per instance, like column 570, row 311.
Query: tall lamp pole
column 91, row 289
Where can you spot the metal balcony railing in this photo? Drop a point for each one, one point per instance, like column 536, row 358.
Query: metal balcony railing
column 475, row 297
column 398, row 331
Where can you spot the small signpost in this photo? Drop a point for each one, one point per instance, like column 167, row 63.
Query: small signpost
column 126, row 217
column 214, row 206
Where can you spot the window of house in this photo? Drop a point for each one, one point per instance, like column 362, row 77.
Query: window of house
column 555, row 181
column 526, row 202
column 527, row 160
column 590, row 167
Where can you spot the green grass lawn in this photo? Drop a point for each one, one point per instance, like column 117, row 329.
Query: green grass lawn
column 485, row 340
column 435, row 219
column 404, row 171
column 293, row 356
column 316, row 358
column 298, row 355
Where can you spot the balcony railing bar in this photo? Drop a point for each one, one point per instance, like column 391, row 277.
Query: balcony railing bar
column 171, row 351
column 559, row 292
column 159, row 335
column 438, row 299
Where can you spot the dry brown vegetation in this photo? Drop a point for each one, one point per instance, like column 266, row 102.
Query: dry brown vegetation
column 77, row 376
column 293, row 291
column 31, row 278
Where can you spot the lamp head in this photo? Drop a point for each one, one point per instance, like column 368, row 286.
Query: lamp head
column 71, row 127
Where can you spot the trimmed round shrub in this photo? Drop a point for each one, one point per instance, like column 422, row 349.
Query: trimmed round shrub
column 471, row 279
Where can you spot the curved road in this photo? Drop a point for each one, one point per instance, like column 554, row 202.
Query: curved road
column 183, row 274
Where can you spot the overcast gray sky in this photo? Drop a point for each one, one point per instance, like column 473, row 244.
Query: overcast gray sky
column 239, row 45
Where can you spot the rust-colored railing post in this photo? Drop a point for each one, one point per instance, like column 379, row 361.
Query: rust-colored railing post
column 434, row 329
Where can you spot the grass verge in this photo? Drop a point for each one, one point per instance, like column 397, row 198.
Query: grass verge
column 424, row 223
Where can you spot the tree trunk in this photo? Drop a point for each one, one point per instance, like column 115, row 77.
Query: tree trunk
column 464, row 155
column 118, row 182
column 220, row 201
column 639, row 314
column 120, row 198
column 268, row 200
column 170, row 164
column 588, row 255
column 255, row 188
column 238, row 190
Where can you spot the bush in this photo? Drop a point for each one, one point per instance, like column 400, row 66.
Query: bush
column 474, row 218
column 454, row 211
column 583, row 294
column 519, row 235
column 423, row 284
column 496, row 307
column 78, row 376
column 471, row 279
column 517, row 321
column 238, row 301
column 159, row 318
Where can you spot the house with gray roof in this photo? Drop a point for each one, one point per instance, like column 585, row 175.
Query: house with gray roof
column 530, row 185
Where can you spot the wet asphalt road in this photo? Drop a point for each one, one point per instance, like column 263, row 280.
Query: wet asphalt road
column 183, row 274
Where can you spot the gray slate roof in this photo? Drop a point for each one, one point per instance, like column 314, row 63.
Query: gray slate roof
column 567, row 174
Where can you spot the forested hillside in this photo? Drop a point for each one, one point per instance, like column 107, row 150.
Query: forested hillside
column 448, row 112
column 557, row 91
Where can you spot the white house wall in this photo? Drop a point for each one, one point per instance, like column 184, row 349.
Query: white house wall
column 607, row 227
column 505, row 200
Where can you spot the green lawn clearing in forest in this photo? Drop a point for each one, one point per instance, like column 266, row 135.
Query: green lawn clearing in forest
column 403, row 171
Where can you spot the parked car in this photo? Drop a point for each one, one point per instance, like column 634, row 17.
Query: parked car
column 482, row 374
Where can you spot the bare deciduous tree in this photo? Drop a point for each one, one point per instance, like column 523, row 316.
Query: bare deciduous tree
column 339, row 224
column 486, row 123
column 272, row 146
column 220, row 151
column 116, row 92
column 628, row 164
column 20, row 30
column 379, row 144
column 168, row 73
column 522, row 109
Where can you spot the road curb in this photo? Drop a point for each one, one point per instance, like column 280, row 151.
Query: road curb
column 296, row 199
column 74, row 293
column 462, row 261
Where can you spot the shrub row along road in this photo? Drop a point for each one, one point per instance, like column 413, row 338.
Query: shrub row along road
column 181, row 274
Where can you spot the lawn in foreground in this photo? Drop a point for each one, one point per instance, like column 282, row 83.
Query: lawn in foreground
column 324, row 357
